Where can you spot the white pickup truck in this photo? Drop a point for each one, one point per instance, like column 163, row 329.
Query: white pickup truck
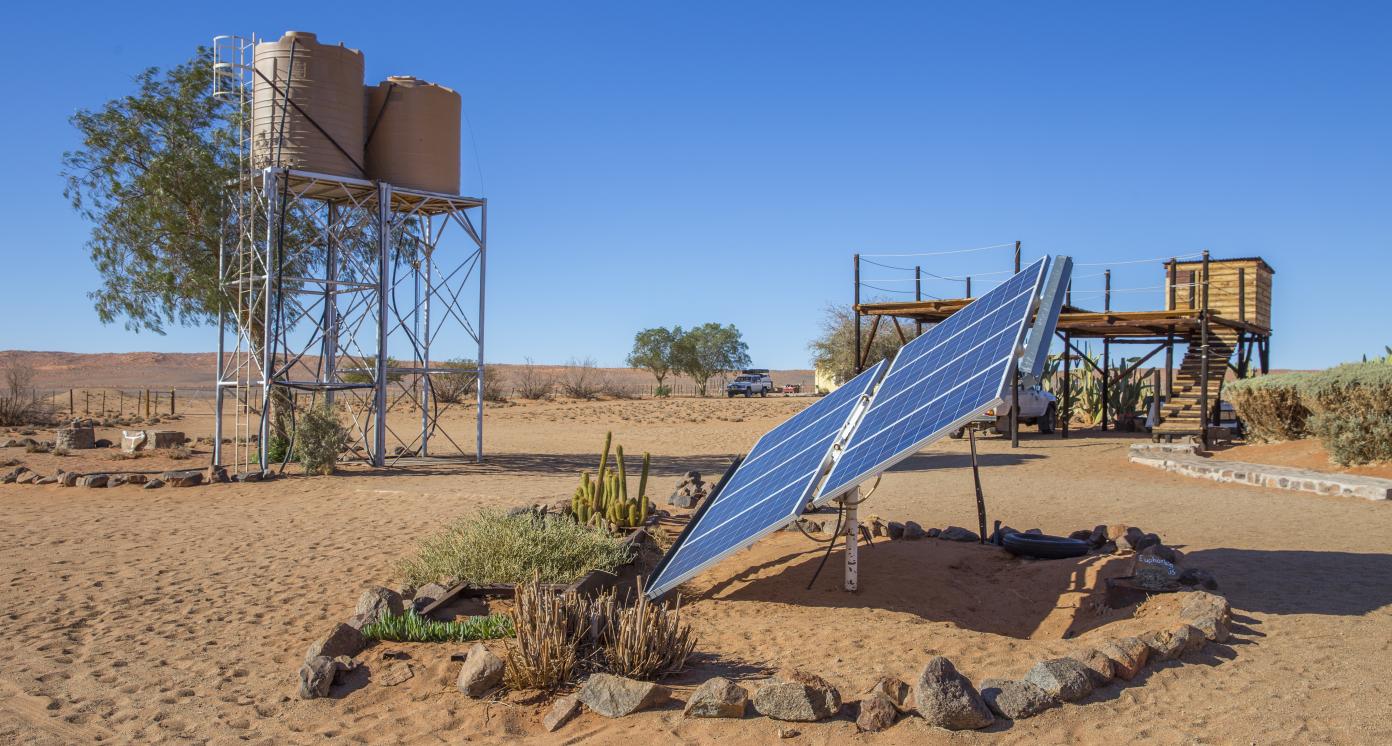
column 1037, row 407
column 749, row 384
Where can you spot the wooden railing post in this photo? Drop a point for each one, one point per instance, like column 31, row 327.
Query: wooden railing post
column 1203, row 356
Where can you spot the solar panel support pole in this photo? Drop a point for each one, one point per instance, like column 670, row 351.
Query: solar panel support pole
column 855, row 308
column 976, row 480
column 851, row 501
column 1015, row 405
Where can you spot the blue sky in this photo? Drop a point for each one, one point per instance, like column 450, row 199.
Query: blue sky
column 664, row 163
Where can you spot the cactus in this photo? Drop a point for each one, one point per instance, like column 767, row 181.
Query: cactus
column 604, row 500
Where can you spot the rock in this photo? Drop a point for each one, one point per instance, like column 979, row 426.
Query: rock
column 898, row 692
column 811, row 527
column 11, row 476
column 946, row 698
column 1128, row 656
column 26, row 477
column 998, row 536
column 934, row 532
column 183, row 478
column 1098, row 537
column 46, row 480
column 1161, row 551
column 913, row 531
column 1116, row 530
column 1148, row 540
column 154, row 484
column 102, row 443
column 1197, row 577
column 878, row 528
column 1063, row 678
column 1173, row 643
column 561, row 711
column 316, row 677
column 133, row 440
column 481, row 673
column 93, row 480
column 615, row 696
column 717, row 698
column 789, row 732
column 343, row 640
column 797, row 696
column 396, row 673
column 75, row 438
column 1099, row 667
column 1210, row 614
column 1128, row 538
column 136, row 479
column 1153, row 573
column 877, row 712
column 1015, row 700
column 117, row 480
column 166, row 438
column 957, row 533
column 247, row 477
column 1107, row 547
column 1081, row 534
column 344, row 664
column 378, row 602
column 358, row 621
column 895, row 530
column 427, row 595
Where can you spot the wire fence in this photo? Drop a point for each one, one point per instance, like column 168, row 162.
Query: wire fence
column 111, row 402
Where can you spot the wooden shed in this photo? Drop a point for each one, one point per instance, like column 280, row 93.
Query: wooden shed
column 1238, row 289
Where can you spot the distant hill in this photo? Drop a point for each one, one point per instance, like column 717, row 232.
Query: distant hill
column 192, row 371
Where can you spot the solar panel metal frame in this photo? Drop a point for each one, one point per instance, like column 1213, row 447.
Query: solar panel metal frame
column 655, row 590
column 823, row 495
column 1046, row 319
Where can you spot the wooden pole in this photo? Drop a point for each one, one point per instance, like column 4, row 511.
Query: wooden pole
column 1169, row 365
column 1067, row 384
column 86, row 402
column 918, row 296
column 968, row 286
column 855, row 308
column 1241, row 293
column 147, row 403
column 976, row 480
column 103, row 403
column 1173, row 268
column 1014, row 407
column 171, row 400
column 1106, row 351
column 70, row 403
column 1017, row 257
column 1203, row 357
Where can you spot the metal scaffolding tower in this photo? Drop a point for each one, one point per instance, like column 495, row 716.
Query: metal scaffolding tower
column 340, row 291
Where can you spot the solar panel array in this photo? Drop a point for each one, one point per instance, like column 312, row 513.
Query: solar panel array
column 768, row 490
column 939, row 381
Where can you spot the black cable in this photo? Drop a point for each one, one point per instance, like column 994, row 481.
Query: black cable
column 840, row 513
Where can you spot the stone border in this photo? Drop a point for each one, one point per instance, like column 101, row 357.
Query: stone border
column 1185, row 460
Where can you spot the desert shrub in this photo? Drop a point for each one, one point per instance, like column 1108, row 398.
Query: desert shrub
column 453, row 387
column 581, row 379
column 560, row 633
column 1271, row 407
column 412, row 627
column 550, row 629
column 644, row 640
column 37, row 446
column 662, row 392
column 1352, row 411
column 318, row 439
column 532, row 383
column 18, row 403
column 493, row 547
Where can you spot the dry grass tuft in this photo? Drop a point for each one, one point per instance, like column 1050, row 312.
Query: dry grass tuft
column 550, row 629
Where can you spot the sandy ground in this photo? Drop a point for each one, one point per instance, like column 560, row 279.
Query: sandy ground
column 181, row 615
column 1305, row 454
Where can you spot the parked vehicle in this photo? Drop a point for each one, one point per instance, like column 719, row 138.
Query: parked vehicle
column 1037, row 407
column 749, row 384
column 792, row 388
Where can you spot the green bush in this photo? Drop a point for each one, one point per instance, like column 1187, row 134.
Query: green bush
column 1270, row 406
column 1352, row 408
column 493, row 547
column 412, row 627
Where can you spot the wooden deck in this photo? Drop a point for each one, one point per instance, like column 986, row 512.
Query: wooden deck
column 1078, row 323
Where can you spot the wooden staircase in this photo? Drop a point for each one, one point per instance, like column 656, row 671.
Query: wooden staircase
column 1180, row 415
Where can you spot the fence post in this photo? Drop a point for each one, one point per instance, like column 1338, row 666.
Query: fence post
column 171, row 400
column 70, row 403
column 86, row 402
column 147, row 403
column 103, row 404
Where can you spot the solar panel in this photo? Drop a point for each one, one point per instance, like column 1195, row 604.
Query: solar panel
column 939, row 381
column 768, row 489
column 1045, row 320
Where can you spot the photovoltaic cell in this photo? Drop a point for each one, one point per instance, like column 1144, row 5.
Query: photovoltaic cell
column 940, row 380
column 769, row 489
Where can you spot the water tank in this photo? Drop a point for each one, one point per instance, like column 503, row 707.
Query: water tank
column 413, row 134
column 325, row 82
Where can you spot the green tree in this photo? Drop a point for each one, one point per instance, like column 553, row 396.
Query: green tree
column 653, row 351
column 708, row 350
column 151, row 176
column 833, row 350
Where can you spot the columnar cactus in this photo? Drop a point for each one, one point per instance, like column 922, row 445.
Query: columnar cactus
column 604, row 500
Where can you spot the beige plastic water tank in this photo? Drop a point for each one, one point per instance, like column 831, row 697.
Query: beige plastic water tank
column 326, row 83
column 413, row 134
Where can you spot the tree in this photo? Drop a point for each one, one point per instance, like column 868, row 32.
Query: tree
column 653, row 351
column 153, row 176
column 834, row 350
column 708, row 350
